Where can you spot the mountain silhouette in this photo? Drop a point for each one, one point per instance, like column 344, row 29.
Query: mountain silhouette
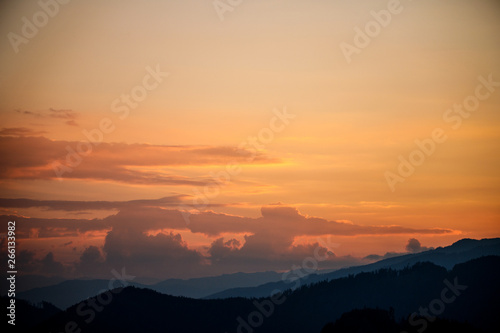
column 472, row 287
column 27, row 315
column 459, row 252
column 383, row 321
column 67, row 293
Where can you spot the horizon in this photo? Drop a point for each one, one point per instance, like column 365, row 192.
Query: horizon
column 187, row 139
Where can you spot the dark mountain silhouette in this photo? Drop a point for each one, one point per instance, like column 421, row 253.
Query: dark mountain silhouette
column 202, row 287
column 69, row 292
column 459, row 252
column 472, row 296
column 27, row 314
column 383, row 321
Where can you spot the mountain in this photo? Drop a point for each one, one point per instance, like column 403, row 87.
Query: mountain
column 378, row 320
column 202, row 287
column 459, row 252
column 27, row 282
column 467, row 293
column 26, row 315
column 70, row 292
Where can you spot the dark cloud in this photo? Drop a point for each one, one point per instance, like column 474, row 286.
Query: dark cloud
column 158, row 255
column 90, row 205
column 269, row 241
column 276, row 229
column 414, row 246
column 30, row 264
column 51, row 266
column 91, row 262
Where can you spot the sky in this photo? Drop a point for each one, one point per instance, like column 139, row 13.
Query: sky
column 194, row 138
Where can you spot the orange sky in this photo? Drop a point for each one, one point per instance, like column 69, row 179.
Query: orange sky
column 254, row 121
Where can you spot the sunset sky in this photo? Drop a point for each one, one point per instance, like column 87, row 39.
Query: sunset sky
column 243, row 137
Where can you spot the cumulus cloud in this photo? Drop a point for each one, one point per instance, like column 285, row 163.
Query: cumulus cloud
column 265, row 243
column 47, row 265
column 414, row 246
column 91, row 263
column 158, row 255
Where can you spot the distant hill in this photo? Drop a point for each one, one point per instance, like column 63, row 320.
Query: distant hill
column 202, row 287
column 67, row 293
column 473, row 298
column 27, row 282
column 459, row 252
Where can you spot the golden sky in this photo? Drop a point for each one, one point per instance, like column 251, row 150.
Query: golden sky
column 242, row 137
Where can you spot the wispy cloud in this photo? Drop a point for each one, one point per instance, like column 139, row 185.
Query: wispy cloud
column 20, row 131
column 34, row 158
column 69, row 116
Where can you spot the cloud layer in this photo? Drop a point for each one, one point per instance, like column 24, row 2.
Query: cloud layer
column 40, row 158
column 146, row 237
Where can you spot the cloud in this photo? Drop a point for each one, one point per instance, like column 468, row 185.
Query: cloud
column 62, row 114
column 290, row 223
column 47, row 265
column 90, row 205
column 164, row 254
column 376, row 257
column 51, row 266
column 20, row 131
column 414, row 246
column 278, row 226
column 41, row 158
column 91, row 262
column 69, row 116
column 265, row 243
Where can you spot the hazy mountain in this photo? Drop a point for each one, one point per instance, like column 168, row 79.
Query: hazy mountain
column 27, row 282
column 262, row 284
column 201, row 287
column 70, row 292
column 468, row 293
column 459, row 252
